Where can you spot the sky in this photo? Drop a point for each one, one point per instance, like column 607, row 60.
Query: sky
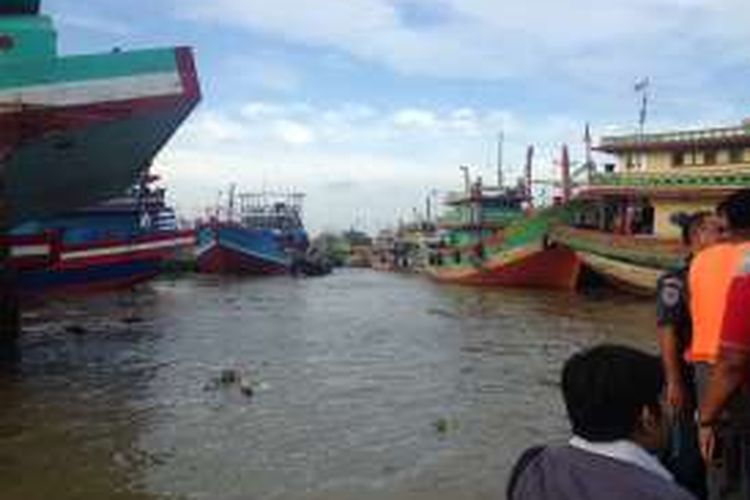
column 369, row 107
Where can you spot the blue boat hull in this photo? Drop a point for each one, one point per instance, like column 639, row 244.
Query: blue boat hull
column 229, row 249
column 94, row 277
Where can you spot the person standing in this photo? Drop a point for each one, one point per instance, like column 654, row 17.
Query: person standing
column 720, row 290
column 699, row 231
column 613, row 396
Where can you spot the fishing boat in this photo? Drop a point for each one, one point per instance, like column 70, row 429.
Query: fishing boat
column 621, row 228
column 493, row 236
column 406, row 249
column 114, row 244
column 76, row 130
column 257, row 234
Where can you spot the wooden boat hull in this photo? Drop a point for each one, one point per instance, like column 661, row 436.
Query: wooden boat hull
column 631, row 263
column 43, row 265
column 226, row 249
column 534, row 265
column 630, row 277
column 76, row 130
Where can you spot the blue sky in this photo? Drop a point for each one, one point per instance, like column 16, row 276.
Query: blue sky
column 370, row 105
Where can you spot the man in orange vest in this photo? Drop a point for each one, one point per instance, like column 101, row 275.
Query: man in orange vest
column 699, row 231
column 720, row 288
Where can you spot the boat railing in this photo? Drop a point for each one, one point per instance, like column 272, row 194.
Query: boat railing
column 673, row 178
column 687, row 136
column 644, row 248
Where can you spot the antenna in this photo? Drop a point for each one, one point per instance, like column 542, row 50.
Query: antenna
column 500, row 139
column 642, row 87
column 467, row 180
column 590, row 165
column 528, row 172
column 566, row 180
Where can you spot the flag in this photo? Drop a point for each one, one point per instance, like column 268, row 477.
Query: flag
column 641, row 84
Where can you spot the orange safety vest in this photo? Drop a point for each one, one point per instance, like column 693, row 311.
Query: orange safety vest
column 711, row 274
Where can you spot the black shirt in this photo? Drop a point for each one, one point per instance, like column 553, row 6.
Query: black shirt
column 673, row 305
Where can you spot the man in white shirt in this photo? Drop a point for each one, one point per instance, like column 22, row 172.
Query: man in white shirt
column 613, row 396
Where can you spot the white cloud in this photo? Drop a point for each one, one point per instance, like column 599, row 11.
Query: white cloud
column 415, row 119
column 487, row 39
column 213, row 127
column 264, row 70
column 294, row 133
column 353, row 160
column 261, row 110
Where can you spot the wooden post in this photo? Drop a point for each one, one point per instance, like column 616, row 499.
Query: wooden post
column 10, row 322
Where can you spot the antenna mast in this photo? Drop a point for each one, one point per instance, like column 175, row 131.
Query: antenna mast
column 500, row 139
column 590, row 165
column 642, row 87
column 528, row 174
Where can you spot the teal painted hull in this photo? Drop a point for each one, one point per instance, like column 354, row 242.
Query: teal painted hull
column 79, row 129
column 82, row 166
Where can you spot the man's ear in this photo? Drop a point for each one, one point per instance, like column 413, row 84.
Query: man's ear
column 650, row 418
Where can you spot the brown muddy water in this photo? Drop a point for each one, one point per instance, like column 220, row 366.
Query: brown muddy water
column 364, row 385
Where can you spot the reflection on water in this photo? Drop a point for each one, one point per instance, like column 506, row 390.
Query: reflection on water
column 364, row 385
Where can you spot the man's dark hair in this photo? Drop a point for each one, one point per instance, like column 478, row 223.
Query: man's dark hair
column 605, row 389
column 689, row 224
column 693, row 224
column 736, row 209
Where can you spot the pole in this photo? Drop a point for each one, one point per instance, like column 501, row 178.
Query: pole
column 589, row 157
column 467, row 180
column 642, row 87
column 566, row 182
column 500, row 139
column 10, row 311
column 10, row 316
column 528, row 173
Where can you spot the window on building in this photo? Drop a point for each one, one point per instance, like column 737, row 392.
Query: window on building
column 629, row 164
column 678, row 159
column 736, row 155
column 709, row 157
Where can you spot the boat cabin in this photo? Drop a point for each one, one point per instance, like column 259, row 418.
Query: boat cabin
column 482, row 207
column 656, row 175
column 24, row 34
column 268, row 210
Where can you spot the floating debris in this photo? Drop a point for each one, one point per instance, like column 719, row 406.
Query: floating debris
column 130, row 320
column 246, row 388
column 433, row 311
column 229, row 376
column 76, row 329
column 444, row 425
column 233, row 378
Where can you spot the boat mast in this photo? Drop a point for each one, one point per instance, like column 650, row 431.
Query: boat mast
column 428, row 209
column 566, row 181
column 642, row 87
column 230, row 202
column 527, row 173
column 467, row 179
column 590, row 165
column 500, row 139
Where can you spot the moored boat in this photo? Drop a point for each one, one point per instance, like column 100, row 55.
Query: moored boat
column 622, row 227
column 493, row 237
column 76, row 130
column 265, row 237
column 118, row 243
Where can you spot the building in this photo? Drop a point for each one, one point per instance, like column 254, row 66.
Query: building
column 659, row 174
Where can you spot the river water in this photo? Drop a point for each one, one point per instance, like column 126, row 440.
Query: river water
column 364, row 385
